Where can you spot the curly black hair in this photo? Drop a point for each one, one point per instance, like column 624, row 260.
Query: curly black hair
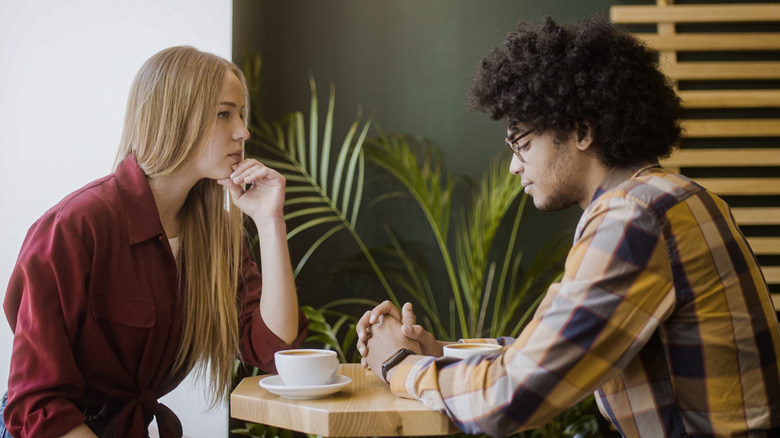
column 556, row 77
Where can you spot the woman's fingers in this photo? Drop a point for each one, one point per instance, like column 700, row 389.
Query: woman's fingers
column 249, row 171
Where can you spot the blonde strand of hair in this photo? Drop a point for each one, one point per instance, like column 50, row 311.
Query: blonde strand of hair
column 211, row 337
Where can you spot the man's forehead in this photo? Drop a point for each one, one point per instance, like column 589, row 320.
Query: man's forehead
column 515, row 125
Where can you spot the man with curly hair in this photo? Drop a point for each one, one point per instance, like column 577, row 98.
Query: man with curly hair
column 662, row 310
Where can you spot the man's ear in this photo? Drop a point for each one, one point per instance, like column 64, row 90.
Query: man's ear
column 584, row 135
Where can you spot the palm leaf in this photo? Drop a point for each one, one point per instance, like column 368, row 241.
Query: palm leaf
column 419, row 287
column 328, row 333
column 502, row 286
column 491, row 202
column 307, row 167
column 424, row 182
column 313, row 247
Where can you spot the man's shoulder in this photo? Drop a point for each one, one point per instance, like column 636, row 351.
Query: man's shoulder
column 656, row 189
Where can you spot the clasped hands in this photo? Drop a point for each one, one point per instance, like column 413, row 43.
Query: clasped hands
column 384, row 330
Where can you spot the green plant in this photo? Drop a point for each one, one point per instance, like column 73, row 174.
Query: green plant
column 319, row 192
column 340, row 335
column 487, row 294
column 262, row 431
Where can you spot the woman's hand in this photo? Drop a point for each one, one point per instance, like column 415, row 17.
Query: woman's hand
column 264, row 196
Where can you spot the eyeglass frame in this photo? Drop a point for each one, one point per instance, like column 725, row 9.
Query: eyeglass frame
column 517, row 149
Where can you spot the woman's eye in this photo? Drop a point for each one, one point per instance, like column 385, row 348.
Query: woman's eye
column 223, row 114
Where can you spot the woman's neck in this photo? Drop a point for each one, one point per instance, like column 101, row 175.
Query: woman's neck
column 170, row 193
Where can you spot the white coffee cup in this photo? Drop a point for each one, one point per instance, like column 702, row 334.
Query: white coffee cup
column 306, row 366
column 463, row 350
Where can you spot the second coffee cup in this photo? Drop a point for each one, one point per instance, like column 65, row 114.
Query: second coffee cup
column 464, row 350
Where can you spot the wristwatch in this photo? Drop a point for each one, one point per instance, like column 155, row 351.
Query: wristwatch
column 394, row 360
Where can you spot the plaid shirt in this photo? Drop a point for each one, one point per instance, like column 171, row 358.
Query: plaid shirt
column 662, row 310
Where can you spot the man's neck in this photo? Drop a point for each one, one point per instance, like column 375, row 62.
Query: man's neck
column 595, row 173
column 613, row 177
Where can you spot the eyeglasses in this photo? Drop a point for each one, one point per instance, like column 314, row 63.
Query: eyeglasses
column 518, row 149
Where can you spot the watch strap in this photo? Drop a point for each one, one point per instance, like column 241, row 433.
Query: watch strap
column 394, row 360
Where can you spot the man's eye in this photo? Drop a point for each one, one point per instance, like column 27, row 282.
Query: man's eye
column 525, row 147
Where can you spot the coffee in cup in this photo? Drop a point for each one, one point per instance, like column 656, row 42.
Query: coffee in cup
column 306, row 367
column 464, row 349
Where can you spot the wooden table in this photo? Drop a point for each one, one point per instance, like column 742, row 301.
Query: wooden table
column 365, row 407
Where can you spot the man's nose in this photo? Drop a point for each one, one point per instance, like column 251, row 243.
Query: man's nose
column 516, row 167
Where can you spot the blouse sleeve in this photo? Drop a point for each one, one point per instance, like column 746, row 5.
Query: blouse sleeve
column 258, row 342
column 45, row 303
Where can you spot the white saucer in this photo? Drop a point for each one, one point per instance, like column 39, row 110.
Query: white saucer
column 274, row 385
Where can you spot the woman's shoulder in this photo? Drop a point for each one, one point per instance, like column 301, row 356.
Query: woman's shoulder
column 97, row 203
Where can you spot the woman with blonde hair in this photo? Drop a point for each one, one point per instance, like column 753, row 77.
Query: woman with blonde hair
column 139, row 278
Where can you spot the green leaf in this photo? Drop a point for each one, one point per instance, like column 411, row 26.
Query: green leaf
column 353, row 162
column 338, row 174
column 326, row 140
column 311, row 224
column 399, row 158
column 313, row 117
column 306, row 212
column 312, row 314
column 305, row 200
column 325, row 340
column 313, row 247
column 302, row 164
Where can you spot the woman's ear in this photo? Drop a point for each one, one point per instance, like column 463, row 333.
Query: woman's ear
column 584, row 135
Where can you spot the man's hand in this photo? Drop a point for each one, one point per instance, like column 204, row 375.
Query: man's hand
column 386, row 338
column 430, row 346
column 409, row 328
column 363, row 327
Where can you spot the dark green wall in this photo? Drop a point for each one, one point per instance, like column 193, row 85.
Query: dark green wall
column 409, row 62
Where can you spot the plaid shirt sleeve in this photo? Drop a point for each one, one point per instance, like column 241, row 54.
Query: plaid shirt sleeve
column 615, row 292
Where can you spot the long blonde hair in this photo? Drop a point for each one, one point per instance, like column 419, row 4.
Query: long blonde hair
column 171, row 113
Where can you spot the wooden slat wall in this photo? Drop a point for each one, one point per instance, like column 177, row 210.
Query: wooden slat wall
column 717, row 147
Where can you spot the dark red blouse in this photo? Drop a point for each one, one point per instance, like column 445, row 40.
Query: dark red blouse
column 96, row 312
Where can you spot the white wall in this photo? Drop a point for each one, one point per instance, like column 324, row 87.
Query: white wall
column 65, row 70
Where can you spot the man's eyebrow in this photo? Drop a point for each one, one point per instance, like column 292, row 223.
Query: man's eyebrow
column 517, row 135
